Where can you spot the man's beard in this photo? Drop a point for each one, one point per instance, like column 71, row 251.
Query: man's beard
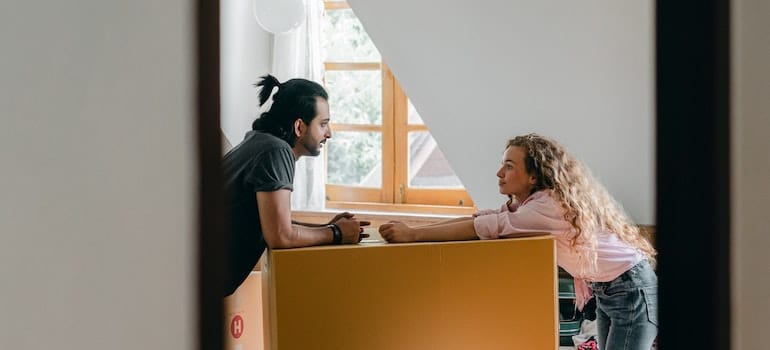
column 312, row 147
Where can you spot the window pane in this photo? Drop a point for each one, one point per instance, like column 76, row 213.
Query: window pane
column 427, row 166
column 344, row 39
column 355, row 159
column 355, row 97
column 413, row 117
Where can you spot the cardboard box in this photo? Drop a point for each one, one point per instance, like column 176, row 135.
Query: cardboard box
column 455, row 295
column 244, row 317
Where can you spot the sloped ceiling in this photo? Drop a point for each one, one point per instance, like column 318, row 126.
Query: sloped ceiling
column 480, row 72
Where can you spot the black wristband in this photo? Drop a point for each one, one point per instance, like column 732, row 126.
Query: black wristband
column 336, row 234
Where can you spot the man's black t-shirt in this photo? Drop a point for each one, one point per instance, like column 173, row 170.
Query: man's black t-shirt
column 261, row 163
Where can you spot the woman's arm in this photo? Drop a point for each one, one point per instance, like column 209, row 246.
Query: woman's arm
column 444, row 222
column 459, row 229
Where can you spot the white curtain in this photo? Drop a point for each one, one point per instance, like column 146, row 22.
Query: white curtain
column 297, row 54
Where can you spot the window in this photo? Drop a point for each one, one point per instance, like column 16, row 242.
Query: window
column 381, row 156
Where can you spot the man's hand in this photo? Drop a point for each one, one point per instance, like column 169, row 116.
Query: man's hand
column 339, row 216
column 352, row 229
column 397, row 232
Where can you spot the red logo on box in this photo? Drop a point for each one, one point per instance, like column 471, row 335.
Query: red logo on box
column 236, row 326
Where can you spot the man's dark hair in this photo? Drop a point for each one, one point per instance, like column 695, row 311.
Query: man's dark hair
column 295, row 98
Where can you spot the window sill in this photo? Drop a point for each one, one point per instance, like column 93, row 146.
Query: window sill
column 377, row 213
column 418, row 209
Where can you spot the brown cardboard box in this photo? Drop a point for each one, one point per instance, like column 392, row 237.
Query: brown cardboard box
column 244, row 316
column 454, row 295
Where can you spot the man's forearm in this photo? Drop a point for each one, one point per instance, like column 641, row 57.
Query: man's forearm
column 304, row 236
column 307, row 224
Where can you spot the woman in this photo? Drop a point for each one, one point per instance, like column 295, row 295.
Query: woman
column 551, row 191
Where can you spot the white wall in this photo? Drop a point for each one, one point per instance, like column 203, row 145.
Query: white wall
column 97, row 192
column 246, row 51
column 750, row 173
column 480, row 72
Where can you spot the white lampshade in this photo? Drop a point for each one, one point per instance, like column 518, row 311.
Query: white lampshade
column 279, row 16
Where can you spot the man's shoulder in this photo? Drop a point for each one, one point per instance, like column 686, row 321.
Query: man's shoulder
column 265, row 139
column 255, row 145
column 259, row 142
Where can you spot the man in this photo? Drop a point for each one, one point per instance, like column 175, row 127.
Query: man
column 259, row 173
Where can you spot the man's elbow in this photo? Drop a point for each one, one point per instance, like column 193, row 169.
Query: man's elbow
column 281, row 239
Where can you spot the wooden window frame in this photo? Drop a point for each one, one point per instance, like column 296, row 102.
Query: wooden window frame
column 395, row 194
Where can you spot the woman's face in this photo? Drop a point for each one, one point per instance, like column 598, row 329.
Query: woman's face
column 513, row 178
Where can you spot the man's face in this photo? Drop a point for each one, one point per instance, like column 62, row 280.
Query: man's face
column 313, row 136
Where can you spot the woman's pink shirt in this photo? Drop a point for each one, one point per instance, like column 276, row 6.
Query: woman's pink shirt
column 541, row 212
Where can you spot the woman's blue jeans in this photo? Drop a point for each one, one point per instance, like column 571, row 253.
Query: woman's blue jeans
column 627, row 309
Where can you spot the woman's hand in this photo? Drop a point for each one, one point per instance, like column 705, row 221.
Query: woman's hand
column 397, row 232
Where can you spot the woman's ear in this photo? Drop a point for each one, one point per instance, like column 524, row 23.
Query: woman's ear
column 532, row 180
column 299, row 127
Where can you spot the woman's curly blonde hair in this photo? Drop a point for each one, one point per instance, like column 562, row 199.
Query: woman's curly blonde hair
column 589, row 208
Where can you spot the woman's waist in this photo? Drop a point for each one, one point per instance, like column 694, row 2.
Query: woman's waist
column 605, row 270
column 638, row 275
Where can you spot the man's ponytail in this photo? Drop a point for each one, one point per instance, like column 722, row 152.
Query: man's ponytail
column 267, row 83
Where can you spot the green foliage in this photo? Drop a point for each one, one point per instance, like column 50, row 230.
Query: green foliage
column 345, row 40
column 355, row 97
column 352, row 156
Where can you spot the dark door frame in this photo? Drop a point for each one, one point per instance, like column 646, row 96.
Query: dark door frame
column 209, row 264
column 693, row 173
column 693, row 168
